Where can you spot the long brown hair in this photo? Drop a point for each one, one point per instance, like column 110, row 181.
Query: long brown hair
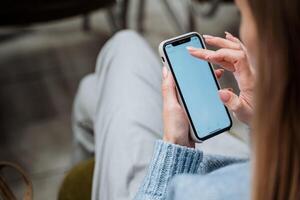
column 276, row 125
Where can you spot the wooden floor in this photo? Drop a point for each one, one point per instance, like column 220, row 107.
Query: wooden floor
column 40, row 69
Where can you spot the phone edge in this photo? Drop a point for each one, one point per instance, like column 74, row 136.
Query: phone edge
column 164, row 61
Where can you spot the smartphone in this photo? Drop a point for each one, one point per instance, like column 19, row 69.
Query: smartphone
column 197, row 87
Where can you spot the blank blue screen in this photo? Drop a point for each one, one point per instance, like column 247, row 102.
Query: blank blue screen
column 198, row 88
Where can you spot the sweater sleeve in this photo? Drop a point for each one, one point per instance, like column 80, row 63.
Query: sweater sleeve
column 167, row 161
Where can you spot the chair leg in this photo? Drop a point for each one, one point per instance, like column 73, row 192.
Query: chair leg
column 118, row 15
column 173, row 16
column 123, row 16
column 141, row 15
column 208, row 12
column 112, row 20
column 191, row 19
column 86, row 24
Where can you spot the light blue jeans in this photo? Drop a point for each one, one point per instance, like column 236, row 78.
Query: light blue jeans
column 117, row 115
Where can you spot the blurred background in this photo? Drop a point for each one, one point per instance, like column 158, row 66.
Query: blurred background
column 47, row 46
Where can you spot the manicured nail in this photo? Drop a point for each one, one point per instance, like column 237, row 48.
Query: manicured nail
column 219, row 71
column 227, row 33
column 224, row 96
column 189, row 48
column 165, row 72
column 230, row 89
column 207, row 36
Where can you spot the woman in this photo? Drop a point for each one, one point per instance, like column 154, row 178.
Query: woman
column 266, row 69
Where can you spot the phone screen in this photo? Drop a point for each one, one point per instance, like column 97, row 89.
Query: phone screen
column 198, row 88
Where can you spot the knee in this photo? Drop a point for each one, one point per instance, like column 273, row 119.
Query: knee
column 128, row 40
column 126, row 36
column 125, row 42
column 124, row 49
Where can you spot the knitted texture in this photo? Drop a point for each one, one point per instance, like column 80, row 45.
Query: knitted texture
column 188, row 164
column 168, row 160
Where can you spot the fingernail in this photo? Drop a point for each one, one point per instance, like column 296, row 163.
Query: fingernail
column 227, row 33
column 189, row 48
column 230, row 89
column 224, row 96
column 207, row 36
column 220, row 71
column 164, row 72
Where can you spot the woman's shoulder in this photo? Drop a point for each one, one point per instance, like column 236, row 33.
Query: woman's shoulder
column 228, row 182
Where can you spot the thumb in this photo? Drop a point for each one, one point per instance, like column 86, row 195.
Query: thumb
column 168, row 89
column 230, row 99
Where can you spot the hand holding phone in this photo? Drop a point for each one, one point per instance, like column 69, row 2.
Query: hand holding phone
column 176, row 123
column 171, row 125
column 197, row 87
column 232, row 56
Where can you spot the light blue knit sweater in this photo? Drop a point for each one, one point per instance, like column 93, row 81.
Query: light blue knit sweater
column 181, row 173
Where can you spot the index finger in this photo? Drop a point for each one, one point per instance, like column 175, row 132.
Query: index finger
column 200, row 53
column 221, row 42
column 209, row 56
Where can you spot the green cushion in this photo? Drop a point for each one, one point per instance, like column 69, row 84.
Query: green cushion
column 77, row 185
